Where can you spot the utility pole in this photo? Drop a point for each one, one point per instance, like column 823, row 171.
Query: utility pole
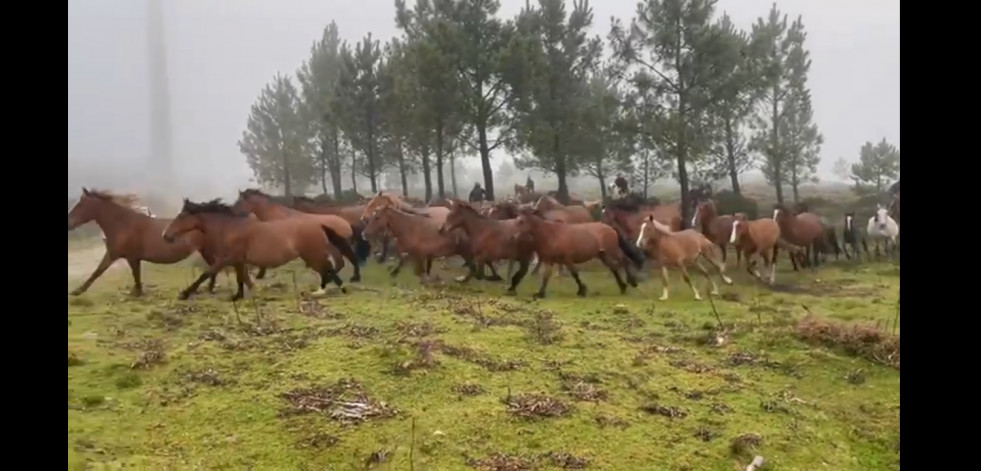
column 160, row 167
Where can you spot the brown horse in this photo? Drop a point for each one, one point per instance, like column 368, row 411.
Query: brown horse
column 382, row 200
column 760, row 237
column 717, row 228
column 265, row 244
column 491, row 240
column 132, row 236
column 571, row 244
column 256, row 202
column 573, row 214
column 418, row 238
column 627, row 215
column 681, row 250
column 805, row 230
column 351, row 214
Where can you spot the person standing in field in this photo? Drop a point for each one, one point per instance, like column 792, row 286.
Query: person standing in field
column 530, row 184
column 620, row 187
column 477, row 194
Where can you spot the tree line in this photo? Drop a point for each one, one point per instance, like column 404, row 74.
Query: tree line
column 676, row 91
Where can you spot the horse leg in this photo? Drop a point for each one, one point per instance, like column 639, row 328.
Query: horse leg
column 471, row 272
column 685, row 276
column 99, row 270
column 134, row 267
column 720, row 266
column 356, row 277
column 725, row 253
column 546, row 275
column 494, row 276
column 510, row 267
column 772, row 263
column 520, row 275
column 261, row 274
column 664, row 283
column 581, row 292
column 241, row 278
column 537, row 262
column 398, row 267
column 213, row 270
column 701, row 268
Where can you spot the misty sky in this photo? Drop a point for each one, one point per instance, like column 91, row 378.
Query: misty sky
column 222, row 52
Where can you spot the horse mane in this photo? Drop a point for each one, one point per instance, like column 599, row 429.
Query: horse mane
column 458, row 203
column 128, row 200
column 407, row 211
column 659, row 226
column 214, row 206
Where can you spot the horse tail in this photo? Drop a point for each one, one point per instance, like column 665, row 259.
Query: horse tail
column 630, row 250
column 341, row 243
column 362, row 248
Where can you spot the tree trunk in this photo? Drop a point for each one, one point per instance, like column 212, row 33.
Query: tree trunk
column 560, row 170
column 775, row 157
column 323, row 164
column 647, row 171
column 287, row 178
column 453, row 174
column 731, row 156
column 485, row 161
column 427, row 175
column 400, row 155
column 795, row 185
column 370, row 154
column 354, row 171
column 335, row 170
column 601, row 178
column 440, row 185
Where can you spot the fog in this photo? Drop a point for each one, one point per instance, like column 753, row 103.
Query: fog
column 220, row 53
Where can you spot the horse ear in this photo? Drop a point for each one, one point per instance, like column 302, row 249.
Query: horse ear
column 650, row 218
column 85, row 191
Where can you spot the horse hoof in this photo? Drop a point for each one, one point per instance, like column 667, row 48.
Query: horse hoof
column 183, row 296
column 727, row 281
column 581, row 294
column 511, row 292
column 355, row 279
column 344, row 289
column 662, row 298
column 493, row 278
column 539, row 295
column 698, row 298
column 319, row 292
column 461, row 279
column 77, row 292
column 136, row 293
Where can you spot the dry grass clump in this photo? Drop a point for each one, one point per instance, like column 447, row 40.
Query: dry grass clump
column 864, row 341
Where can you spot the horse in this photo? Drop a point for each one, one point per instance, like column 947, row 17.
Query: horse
column 571, row 244
column 717, row 228
column 525, row 195
column 681, row 250
column 265, row 244
column 883, row 230
column 804, row 230
column 131, row 201
column 418, row 237
column 256, row 202
column 894, row 206
column 759, row 237
column 350, row 213
column 629, row 213
column 131, row 236
column 572, row 214
column 850, row 237
column 491, row 240
column 382, row 200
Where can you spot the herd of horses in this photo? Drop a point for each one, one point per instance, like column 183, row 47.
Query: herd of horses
column 266, row 232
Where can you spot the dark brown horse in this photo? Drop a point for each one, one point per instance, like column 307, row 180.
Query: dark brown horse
column 717, row 228
column 266, row 244
column 351, row 214
column 572, row 213
column 132, row 236
column 491, row 240
column 559, row 243
column 256, row 202
column 418, row 238
column 805, row 230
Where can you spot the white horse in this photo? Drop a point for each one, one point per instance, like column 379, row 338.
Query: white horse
column 883, row 229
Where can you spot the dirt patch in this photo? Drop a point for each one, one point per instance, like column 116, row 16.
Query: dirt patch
column 153, row 355
column 473, row 356
column 345, row 401
column 864, row 341
column 671, row 412
column 536, row 406
column 418, row 329
column 508, row 462
column 469, row 389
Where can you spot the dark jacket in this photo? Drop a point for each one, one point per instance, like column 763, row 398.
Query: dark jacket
column 477, row 195
column 530, row 184
column 621, row 183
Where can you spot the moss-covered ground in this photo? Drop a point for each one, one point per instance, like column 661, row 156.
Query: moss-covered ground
column 444, row 377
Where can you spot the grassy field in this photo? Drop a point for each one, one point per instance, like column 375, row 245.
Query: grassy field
column 397, row 376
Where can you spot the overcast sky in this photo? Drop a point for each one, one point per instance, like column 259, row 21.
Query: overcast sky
column 221, row 53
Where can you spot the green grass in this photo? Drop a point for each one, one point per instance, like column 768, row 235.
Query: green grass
column 210, row 392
